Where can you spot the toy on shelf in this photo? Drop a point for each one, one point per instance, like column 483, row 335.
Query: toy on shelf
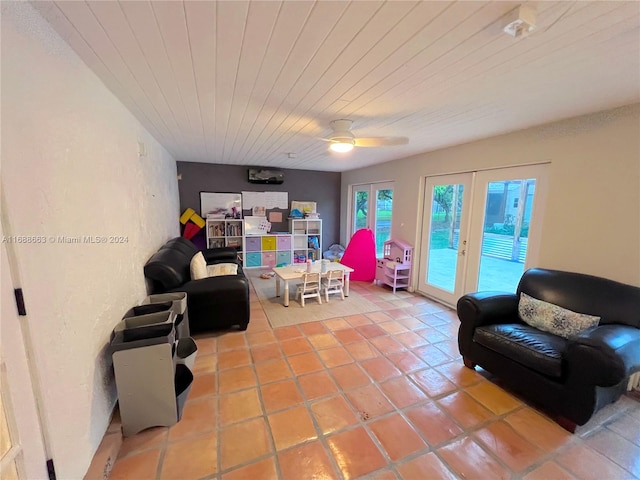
column 395, row 268
column 360, row 255
column 192, row 222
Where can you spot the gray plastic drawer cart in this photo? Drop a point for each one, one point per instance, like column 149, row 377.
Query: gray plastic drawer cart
column 151, row 367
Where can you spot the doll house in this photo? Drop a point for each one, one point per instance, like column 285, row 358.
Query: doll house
column 394, row 269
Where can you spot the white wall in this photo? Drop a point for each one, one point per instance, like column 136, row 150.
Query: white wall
column 70, row 167
column 592, row 216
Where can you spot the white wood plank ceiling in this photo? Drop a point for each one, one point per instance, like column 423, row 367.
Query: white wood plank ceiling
column 247, row 83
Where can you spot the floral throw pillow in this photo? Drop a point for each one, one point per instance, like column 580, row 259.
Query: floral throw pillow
column 552, row 318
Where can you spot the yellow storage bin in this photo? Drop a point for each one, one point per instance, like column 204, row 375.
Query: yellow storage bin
column 268, row 243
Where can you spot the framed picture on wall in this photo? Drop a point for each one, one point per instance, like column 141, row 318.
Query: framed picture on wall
column 221, row 205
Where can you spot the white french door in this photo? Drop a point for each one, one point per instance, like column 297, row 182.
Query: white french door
column 445, row 222
column 22, row 452
column 480, row 230
column 372, row 207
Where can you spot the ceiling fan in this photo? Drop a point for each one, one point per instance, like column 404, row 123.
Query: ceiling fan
column 342, row 140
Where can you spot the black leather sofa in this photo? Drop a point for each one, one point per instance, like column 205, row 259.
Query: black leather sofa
column 570, row 378
column 214, row 302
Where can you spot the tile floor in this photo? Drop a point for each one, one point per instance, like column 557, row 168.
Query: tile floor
column 380, row 396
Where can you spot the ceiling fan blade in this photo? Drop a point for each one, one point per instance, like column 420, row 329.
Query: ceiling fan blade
column 381, row 141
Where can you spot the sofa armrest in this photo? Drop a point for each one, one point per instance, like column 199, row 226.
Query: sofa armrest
column 604, row 355
column 488, row 308
column 220, row 255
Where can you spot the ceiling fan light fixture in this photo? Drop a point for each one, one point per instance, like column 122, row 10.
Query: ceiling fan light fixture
column 342, row 145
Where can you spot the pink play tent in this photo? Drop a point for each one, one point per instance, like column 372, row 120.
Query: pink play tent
column 361, row 256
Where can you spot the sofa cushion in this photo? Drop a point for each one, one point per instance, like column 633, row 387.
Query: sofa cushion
column 222, row 269
column 552, row 318
column 533, row 348
column 198, row 267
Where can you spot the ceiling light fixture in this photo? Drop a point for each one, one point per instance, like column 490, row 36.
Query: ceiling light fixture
column 342, row 140
column 342, row 145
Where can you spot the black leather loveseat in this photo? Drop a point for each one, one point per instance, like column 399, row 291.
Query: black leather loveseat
column 571, row 378
column 214, row 302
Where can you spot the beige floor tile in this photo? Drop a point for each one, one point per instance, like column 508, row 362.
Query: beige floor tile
column 538, row 429
column 362, row 350
column 139, row 465
column 236, row 379
column 335, row 356
column 317, row 385
column 333, row 414
column 493, row 397
column 355, row 453
column 145, row 440
column 305, row 363
column 273, row 371
column 350, row 376
column 468, row 460
column 369, row 402
column 435, row 426
column 291, row 427
column 233, row 358
column 425, row 467
column 261, row 470
column 243, row 442
column 397, row 437
column 464, row 409
column 202, row 386
column 309, row 461
column 324, row 340
column 402, row 392
column 514, row 450
column 587, row 464
column 280, row 395
column 196, row 457
column 239, row 406
column 348, row 335
column 433, row 382
column 198, row 416
column 549, row 471
column 617, row 448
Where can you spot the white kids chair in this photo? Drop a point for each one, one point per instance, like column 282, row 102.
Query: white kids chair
column 309, row 288
column 333, row 283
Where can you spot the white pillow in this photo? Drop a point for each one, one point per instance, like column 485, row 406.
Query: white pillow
column 553, row 318
column 198, row 267
column 220, row 269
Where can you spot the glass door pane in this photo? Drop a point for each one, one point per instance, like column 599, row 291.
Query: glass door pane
column 504, row 238
column 446, row 208
column 445, row 217
column 372, row 207
column 507, row 217
column 382, row 230
column 360, row 208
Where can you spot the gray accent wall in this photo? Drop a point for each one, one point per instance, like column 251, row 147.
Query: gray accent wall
column 301, row 185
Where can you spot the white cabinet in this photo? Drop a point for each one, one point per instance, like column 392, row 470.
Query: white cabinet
column 224, row 233
column 307, row 239
column 395, row 268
